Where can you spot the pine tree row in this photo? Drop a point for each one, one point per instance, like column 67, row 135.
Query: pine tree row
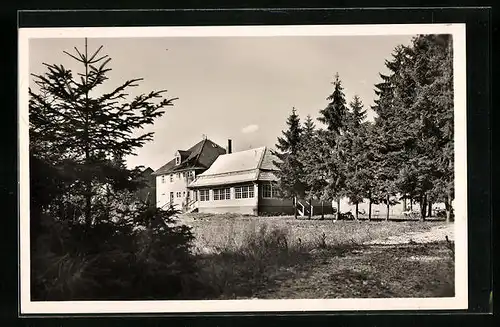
column 405, row 154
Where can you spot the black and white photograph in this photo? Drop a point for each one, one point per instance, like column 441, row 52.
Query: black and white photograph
column 243, row 168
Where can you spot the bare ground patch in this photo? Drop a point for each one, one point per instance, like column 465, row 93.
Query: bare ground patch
column 283, row 258
column 372, row 272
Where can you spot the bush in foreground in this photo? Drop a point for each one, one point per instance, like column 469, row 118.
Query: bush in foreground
column 111, row 260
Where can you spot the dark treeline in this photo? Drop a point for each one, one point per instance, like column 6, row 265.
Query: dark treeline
column 405, row 154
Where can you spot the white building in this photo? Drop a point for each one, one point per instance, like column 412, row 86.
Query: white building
column 173, row 177
column 244, row 182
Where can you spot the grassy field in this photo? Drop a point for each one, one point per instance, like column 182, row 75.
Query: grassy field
column 282, row 257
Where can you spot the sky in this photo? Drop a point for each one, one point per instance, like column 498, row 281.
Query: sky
column 239, row 88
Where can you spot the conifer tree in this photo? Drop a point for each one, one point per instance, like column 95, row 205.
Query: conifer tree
column 357, row 113
column 290, row 168
column 414, row 123
column 80, row 129
column 307, row 145
column 354, row 145
column 389, row 133
column 334, row 116
column 432, row 114
column 308, row 128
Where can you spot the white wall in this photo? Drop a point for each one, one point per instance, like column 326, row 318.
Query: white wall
column 179, row 184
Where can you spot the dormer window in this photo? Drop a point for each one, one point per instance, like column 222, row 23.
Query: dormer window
column 177, row 158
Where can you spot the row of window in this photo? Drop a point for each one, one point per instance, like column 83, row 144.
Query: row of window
column 240, row 192
column 179, row 175
column 177, row 194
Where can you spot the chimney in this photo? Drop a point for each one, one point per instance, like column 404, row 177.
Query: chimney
column 229, row 146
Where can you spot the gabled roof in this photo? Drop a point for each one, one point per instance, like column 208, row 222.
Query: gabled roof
column 239, row 167
column 199, row 156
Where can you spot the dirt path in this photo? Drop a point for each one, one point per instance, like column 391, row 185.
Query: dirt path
column 437, row 233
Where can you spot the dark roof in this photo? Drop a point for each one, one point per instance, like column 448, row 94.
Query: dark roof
column 199, row 156
column 148, row 170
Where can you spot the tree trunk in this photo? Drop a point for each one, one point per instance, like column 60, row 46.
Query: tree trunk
column 295, row 207
column 388, row 207
column 449, row 207
column 411, row 203
column 422, row 207
column 370, row 210
column 310, row 208
column 88, row 179
column 356, row 211
column 404, row 203
column 429, row 212
column 322, row 210
column 338, row 207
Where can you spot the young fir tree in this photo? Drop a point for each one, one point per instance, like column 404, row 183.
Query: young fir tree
column 334, row 116
column 308, row 127
column 85, row 128
column 357, row 113
column 290, row 169
column 78, row 139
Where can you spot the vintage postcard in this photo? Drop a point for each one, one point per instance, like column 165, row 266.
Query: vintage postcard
column 242, row 169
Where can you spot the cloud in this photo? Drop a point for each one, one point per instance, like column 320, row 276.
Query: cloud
column 250, row 129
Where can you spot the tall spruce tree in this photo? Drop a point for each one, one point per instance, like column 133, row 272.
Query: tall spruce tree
column 414, row 123
column 80, row 130
column 432, row 114
column 334, row 116
column 307, row 144
column 290, row 168
column 389, row 134
column 354, row 143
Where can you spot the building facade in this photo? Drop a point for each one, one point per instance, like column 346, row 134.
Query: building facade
column 173, row 178
column 242, row 182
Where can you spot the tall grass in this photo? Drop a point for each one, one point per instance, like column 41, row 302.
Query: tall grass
column 246, row 262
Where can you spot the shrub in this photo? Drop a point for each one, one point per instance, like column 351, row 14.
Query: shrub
column 113, row 260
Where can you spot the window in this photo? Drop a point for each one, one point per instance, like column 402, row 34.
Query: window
column 162, row 179
column 178, row 175
column 244, row 192
column 184, row 193
column 222, row 194
column 269, row 191
column 177, row 159
column 204, row 195
column 171, row 178
column 178, row 194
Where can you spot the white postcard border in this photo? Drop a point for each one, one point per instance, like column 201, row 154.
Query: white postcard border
column 460, row 301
